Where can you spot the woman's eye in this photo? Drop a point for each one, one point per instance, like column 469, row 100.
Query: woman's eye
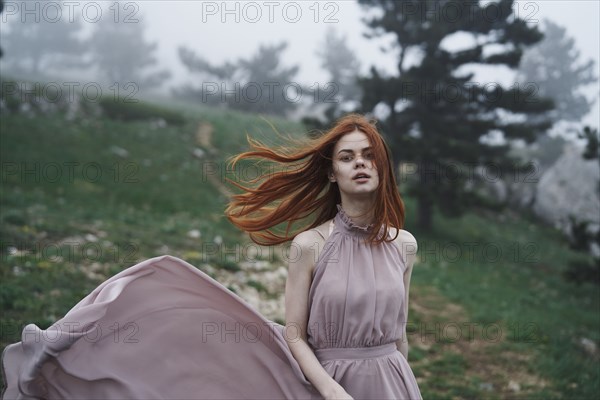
column 348, row 158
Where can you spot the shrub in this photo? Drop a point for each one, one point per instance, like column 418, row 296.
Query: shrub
column 124, row 110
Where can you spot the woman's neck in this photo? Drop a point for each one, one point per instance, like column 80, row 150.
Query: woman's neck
column 361, row 213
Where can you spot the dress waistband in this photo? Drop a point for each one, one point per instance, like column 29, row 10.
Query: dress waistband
column 339, row 353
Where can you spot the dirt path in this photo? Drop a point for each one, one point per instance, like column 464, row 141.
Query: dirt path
column 459, row 353
column 204, row 134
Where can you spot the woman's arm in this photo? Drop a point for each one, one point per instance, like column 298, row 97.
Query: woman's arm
column 296, row 315
column 408, row 246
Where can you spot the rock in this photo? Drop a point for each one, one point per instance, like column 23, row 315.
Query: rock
column 164, row 249
column 157, row 123
column 249, row 294
column 207, row 268
column 272, row 280
column 274, row 309
column 282, row 272
column 570, row 186
column 514, row 386
column 91, row 238
column 72, row 241
column 257, row 265
column 251, row 253
column 521, row 187
column 194, row 234
column 239, row 276
column 198, row 153
column 119, row 151
column 90, row 270
column 13, row 251
column 588, row 346
column 96, row 266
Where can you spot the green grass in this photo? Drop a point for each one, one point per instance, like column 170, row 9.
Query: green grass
column 236, row 125
column 62, row 180
column 519, row 289
column 156, row 194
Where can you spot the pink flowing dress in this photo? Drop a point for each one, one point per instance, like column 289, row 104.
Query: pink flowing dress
column 163, row 329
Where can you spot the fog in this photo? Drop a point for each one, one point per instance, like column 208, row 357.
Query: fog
column 226, row 31
column 220, row 37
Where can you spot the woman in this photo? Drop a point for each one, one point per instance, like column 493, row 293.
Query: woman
column 164, row 329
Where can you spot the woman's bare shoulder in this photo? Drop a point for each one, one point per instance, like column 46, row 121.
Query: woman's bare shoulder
column 310, row 242
column 321, row 232
column 407, row 244
column 403, row 235
column 407, row 237
column 306, row 238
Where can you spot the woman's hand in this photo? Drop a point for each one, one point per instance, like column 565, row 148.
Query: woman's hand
column 337, row 392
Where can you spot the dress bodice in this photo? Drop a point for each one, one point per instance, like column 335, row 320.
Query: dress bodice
column 357, row 292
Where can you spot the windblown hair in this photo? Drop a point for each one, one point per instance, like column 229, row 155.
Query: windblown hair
column 302, row 187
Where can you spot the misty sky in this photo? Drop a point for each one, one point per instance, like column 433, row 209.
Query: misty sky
column 200, row 27
column 207, row 28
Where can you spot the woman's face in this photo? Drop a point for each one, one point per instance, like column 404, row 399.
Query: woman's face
column 352, row 155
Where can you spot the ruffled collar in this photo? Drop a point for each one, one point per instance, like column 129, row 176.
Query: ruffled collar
column 349, row 224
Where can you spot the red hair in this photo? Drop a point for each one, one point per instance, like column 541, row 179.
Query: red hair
column 303, row 188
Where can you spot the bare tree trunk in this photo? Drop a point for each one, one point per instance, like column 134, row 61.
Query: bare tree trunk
column 424, row 200
column 424, row 211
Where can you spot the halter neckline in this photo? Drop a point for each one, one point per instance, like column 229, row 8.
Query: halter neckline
column 347, row 222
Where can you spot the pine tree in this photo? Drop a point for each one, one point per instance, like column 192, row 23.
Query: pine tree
column 257, row 84
column 264, row 71
column 124, row 57
column 40, row 46
column 554, row 66
column 343, row 69
column 1, row 9
column 439, row 118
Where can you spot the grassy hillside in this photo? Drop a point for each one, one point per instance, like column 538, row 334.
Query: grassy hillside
column 152, row 192
column 90, row 197
column 509, row 325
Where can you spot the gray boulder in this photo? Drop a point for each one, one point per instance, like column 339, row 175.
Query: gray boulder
column 571, row 186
